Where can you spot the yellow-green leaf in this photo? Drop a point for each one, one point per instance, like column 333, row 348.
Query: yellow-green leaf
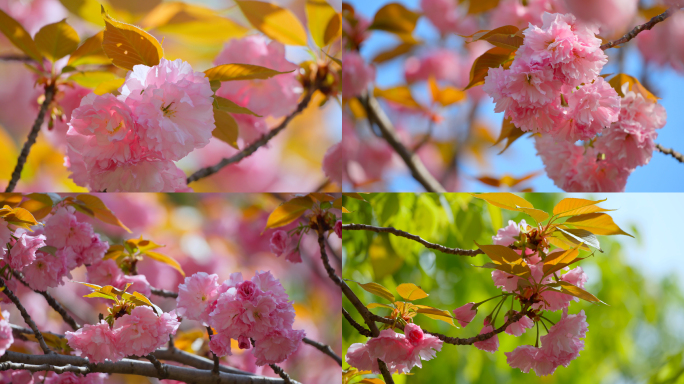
column 578, row 236
column 108, row 86
column 537, row 214
column 318, row 15
column 114, row 251
column 93, row 79
column 395, row 18
column 230, row 72
column 288, row 212
column 377, row 290
column 436, row 314
column 128, row 45
column 504, row 200
column 572, row 207
column 278, row 23
column 88, row 10
column 57, row 40
column 493, row 58
column 501, row 254
column 164, row 259
column 578, row 292
column 410, row 292
column 18, row 36
column 100, row 210
column 90, row 52
column 223, row 104
column 378, row 305
column 226, row 128
column 597, row 223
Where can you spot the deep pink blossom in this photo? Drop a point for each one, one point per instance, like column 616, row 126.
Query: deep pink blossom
column 424, row 346
column 244, row 343
column 96, row 342
column 465, row 314
column 196, row 296
column 338, row 228
column 279, row 242
column 71, row 378
column 5, row 236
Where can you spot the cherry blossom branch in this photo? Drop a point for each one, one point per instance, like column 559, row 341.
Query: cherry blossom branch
column 280, row 372
column 640, row 28
column 323, row 348
column 263, row 140
column 363, row 311
column 163, row 292
column 50, row 90
column 66, row 363
column 52, row 302
column 26, row 316
column 385, row 372
column 360, row 328
column 215, row 369
column 427, row 244
column 420, row 173
column 669, row 151
column 15, row 58
column 162, row 369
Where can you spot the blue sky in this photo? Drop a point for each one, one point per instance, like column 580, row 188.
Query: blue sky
column 662, row 174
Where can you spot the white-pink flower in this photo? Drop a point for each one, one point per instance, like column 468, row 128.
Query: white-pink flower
column 105, row 272
column 145, row 175
column 196, row 296
column 96, row 342
column 173, row 106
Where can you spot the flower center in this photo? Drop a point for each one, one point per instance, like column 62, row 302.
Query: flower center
column 168, row 112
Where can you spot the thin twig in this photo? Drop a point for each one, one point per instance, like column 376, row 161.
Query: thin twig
column 26, row 316
column 420, row 173
column 323, row 348
column 427, row 244
column 52, row 302
column 360, row 328
column 163, row 292
column 385, row 372
column 639, row 28
column 426, row 137
column 280, row 372
column 668, row 151
column 215, row 370
column 50, row 90
column 161, row 368
column 15, row 58
column 263, row 140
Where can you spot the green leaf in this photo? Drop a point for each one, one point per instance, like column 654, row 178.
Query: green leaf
column 278, row 23
column 223, row 104
column 227, row 129
column 597, row 223
column 232, row 72
column 377, row 290
column 164, row 259
column 18, row 36
column 410, row 292
column 57, row 40
column 128, row 45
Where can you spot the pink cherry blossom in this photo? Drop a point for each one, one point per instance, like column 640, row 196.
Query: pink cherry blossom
column 142, row 332
column 244, row 343
column 96, row 342
column 338, row 228
column 441, row 64
column 196, row 296
column 356, row 74
column 6, row 337
column 447, row 17
column 173, row 105
column 392, row 348
column 46, row 271
column 103, row 128
column 465, row 314
column 24, row 249
column 277, row 346
column 137, row 176
column 279, row 242
column 266, row 282
column 94, row 252
column 593, row 107
column 562, row 344
column 425, row 347
column 220, row 344
column 5, row 236
column 277, row 96
column 63, row 229
column 490, row 345
column 334, row 162
column 507, row 235
column 138, row 283
column 71, row 378
column 105, row 272
column 613, row 16
column 518, row 328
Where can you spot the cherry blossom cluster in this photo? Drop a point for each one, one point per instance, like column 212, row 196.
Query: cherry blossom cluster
column 553, row 84
column 249, row 311
column 284, row 243
column 563, row 342
column 606, row 163
column 48, row 254
column 138, row 332
column 107, row 272
column 26, row 377
column 401, row 352
column 130, row 142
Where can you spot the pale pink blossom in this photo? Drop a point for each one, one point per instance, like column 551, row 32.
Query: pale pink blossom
column 614, row 17
column 518, row 328
column 5, row 236
column 138, row 283
column 465, row 314
column 266, row 282
column 338, row 228
column 142, row 332
column 508, row 234
column 447, row 17
column 513, row 12
column 46, row 271
column 71, row 378
column 96, row 342
column 63, row 229
column 277, row 346
column 6, row 337
column 441, row 64
column 356, row 74
column 173, row 107
column 94, row 252
column 220, row 344
column 277, row 96
column 24, row 249
column 593, row 107
column 138, row 176
column 490, row 345
column 196, row 296
column 105, row 272
column 392, row 348
column 334, row 162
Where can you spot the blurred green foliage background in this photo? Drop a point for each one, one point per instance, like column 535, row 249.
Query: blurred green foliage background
column 637, row 338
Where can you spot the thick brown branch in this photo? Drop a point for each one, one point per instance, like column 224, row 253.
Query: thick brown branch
column 55, row 362
column 427, row 244
column 50, row 90
column 385, row 372
column 639, row 28
column 163, row 293
column 363, row 311
column 53, row 303
column 324, row 348
column 420, row 173
column 161, row 368
column 263, row 140
column 26, row 316
column 669, row 151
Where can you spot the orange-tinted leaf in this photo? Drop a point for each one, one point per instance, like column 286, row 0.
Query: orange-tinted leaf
column 578, row 292
column 231, row 72
column 100, row 210
column 493, row 58
column 39, row 204
column 479, row 6
column 128, row 45
column 318, row 15
column 278, row 23
column 510, row 132
column 392, row 53
column 633, row 85
column 501, row 254
column 504, row 200
column 597, row 223
column 227, row 129
column 395, row 18
column 573, row 206
column 288, row 212
column 165, row 259
column 400, row 95
column 410, row 292
column 18, row 36
column 377, row 290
